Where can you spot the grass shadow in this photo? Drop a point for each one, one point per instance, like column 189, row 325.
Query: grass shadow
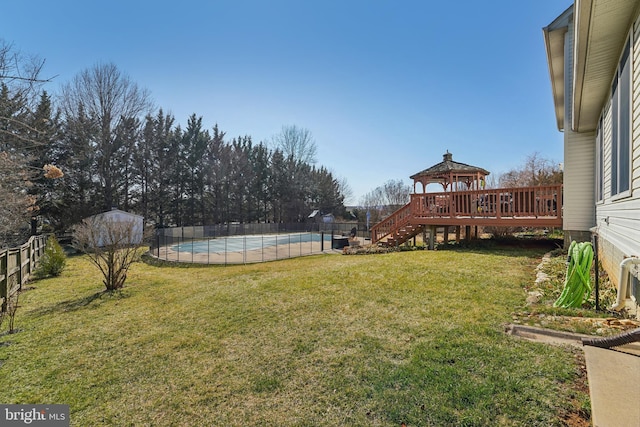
column 509, row 246
column 79, row 303
column 151, row 260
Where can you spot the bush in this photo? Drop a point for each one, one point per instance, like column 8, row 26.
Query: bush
column 112, row 246
column 53, row 261
column 502, row 232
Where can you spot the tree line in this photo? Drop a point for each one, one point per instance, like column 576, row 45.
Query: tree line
column 108, row 147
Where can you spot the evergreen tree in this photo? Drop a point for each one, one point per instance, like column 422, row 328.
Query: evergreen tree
column 278, row 181
column 153, row 163
column 216, row 178
column 45, row 131
column 17, row 205
column 76, row 194
column 259, row 184
column 195, row 142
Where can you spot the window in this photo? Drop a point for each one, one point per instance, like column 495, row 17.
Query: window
column 599, row 163
column 621, row 125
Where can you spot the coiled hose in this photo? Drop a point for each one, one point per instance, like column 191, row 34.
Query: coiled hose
column 577, row 285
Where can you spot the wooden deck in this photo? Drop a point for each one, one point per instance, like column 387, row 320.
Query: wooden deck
column 512, row 207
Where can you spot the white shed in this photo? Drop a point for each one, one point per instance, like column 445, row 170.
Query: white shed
column 117, row 216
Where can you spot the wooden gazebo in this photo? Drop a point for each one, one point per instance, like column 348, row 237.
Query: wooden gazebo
column 465, row 201
column 451, row 175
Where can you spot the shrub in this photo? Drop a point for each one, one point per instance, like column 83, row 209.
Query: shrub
column 112, row 246
column 53, row 261
column 502, row 232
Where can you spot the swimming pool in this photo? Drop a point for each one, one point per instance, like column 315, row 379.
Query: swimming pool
column 248, row 243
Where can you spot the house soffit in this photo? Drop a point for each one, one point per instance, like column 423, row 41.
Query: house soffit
column 554, row 37
column 601, row 29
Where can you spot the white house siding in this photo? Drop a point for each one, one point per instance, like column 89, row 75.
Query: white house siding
column 635, row 111
column 579, row 177
column 579, row 157
column 606, row 137
column 618, row 220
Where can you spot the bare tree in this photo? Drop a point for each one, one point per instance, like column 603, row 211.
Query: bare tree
column 344, row 188
column 297, row 143
column 110, row 100
column 112, row 246
column 22, row 133
column 536, row 170
column 20, row 70
column 396, row 194
column 386, row 199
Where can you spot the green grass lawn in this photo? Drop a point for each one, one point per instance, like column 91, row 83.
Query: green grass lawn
column 411, row 337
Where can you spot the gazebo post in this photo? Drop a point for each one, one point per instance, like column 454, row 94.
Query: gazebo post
column 432, row 237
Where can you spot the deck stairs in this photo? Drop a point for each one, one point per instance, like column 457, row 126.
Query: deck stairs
column 398, row 227
column 402, row 234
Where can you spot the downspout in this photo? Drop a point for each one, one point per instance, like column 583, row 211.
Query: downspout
column 596, row 261
column 624, row 281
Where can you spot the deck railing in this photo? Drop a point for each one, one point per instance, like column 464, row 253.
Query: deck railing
column 395, row 221
column 497, row 206
column 530, row 202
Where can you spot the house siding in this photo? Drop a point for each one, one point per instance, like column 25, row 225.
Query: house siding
column 606, row 138
column 579, row 173
column 579, row 178
column 635, row 110
column 618, row 219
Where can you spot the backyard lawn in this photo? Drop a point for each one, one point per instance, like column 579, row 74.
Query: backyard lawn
column 413, row 338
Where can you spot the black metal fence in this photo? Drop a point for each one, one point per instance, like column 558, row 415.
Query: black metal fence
column 237, row 243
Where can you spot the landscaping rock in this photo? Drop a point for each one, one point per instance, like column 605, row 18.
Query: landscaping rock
column 534, row 297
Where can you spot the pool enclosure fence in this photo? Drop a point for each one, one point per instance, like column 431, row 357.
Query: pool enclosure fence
column 237, row 243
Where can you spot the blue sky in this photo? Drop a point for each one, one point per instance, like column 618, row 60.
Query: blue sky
column 385, row 87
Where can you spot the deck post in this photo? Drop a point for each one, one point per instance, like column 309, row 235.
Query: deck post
column 467, row 233
column 457, row 234
column 446, row 235
column 432, row 237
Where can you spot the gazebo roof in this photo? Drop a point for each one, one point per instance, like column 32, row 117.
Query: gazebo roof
column 447, row 166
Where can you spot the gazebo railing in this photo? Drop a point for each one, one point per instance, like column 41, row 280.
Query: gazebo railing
column 530, row 202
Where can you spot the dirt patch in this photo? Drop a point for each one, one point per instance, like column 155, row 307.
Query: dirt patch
column 578, row 415
column 530, row 243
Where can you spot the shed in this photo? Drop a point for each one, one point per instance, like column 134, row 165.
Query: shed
column 117, row 216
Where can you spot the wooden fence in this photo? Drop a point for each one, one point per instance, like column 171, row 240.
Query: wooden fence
column 16, row 265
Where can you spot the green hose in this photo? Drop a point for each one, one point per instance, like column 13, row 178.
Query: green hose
column 577, row 285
